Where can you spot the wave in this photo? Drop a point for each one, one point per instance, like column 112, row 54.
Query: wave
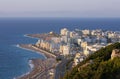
column 31, row 65
column 30, row 62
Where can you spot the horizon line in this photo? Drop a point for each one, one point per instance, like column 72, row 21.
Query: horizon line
column 60, row 17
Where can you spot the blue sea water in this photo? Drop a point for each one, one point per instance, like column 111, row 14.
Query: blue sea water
column 14, row 60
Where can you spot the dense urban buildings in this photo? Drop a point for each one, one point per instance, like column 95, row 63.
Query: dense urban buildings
column 77, row 43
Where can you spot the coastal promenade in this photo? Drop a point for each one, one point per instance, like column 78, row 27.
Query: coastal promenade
column 38, row 50
column 43, row 69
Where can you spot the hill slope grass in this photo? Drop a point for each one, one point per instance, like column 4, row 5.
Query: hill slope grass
column 101, row 67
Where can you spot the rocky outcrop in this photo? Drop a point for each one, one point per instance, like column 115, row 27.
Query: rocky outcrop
column 115, row 53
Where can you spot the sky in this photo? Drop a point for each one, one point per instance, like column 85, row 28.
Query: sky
column 59, row 8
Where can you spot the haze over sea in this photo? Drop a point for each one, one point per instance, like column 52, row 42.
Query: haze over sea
column 14, row 60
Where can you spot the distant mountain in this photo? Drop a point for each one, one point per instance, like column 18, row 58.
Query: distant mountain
column 103, row 64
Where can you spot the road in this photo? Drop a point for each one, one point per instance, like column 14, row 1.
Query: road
column 60, row 69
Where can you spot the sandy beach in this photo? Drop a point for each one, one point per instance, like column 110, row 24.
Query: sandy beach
column 43, row 69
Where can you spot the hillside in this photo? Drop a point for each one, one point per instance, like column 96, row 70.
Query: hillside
column 97, row 66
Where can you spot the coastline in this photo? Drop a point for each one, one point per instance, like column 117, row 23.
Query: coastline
column 31, row 50
column 31, row 65
column 39, row 68
column 35, row 36
column 37, row 50
column 28, row 36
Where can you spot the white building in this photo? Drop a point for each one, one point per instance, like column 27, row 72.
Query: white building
column 56, row 39
column 65, row 39
column 63, row 31
column 86, row 32
column 65, row 49
column 84, row 44
column 79, row 41
column 79, row 57
column 92, row 48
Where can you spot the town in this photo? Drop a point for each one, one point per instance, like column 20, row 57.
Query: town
column 77, row 44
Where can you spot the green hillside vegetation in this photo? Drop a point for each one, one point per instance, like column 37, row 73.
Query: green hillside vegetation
column 97, row 66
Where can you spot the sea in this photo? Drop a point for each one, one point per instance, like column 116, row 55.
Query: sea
column 14, row 61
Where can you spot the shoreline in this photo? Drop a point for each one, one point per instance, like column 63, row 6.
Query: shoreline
column 31, row 50
column 40, row 68
column 37, row 50
column 31, row 65
column 34, row 36
column 28, row 36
